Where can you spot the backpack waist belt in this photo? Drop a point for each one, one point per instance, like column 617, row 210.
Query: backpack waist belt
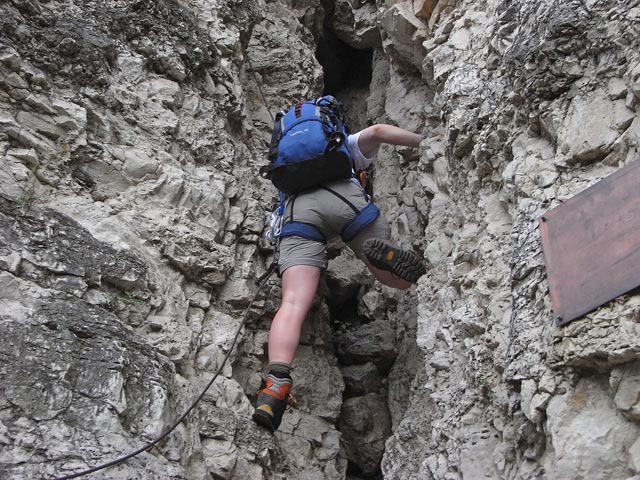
column 304, row 230
column 367, row 215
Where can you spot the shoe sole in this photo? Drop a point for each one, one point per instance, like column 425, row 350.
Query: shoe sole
column 263, row 419
column 399, row 262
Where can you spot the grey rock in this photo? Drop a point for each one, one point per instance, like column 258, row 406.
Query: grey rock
column 625, row 384
column 55, row 245
column 131, row 214
column 355, row 23
column 345, row 275
column 583, row 444
column 597, row 132
column 200, row 259
column 365, row 425
column 360, row 380
column 372, row 342
column 93, row 363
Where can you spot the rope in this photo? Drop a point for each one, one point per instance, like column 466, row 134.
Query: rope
column 255, row 79
column 263, row 281
column 275, row 231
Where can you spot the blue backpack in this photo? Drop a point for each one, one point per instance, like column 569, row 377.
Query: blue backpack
column 308, row 146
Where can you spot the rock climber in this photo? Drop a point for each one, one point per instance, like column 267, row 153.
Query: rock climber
column 301, row 260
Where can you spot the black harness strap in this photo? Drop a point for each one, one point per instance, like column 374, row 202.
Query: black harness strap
column 353, row 207
column 362, row 218
column 293, row 201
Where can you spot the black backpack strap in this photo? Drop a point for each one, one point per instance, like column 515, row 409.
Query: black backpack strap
column 336, row 140
column 293, row 201
column 336, row 137
column 276, row 133
column 267, row 170
column 325, row 118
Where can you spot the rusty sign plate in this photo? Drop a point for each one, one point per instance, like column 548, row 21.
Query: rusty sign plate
column 591, row 245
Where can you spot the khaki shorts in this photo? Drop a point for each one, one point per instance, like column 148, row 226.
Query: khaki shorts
column 329, row 214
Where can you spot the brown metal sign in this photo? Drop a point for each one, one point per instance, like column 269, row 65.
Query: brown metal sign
column 591, row 245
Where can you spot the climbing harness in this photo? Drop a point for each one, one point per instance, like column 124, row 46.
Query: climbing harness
column 363, row 217
column 262, row 281
column 349, row 231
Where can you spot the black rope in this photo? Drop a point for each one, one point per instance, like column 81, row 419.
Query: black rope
column 117, row 461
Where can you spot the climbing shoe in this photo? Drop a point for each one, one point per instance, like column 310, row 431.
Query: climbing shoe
column 399, row 262
column 272, row 401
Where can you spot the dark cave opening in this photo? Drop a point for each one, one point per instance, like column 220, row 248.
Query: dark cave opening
column 343, row 304
column 364, row 377
column 344, row 67
column 355, row 473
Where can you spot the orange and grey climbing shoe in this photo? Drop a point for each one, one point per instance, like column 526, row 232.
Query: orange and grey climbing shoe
column 401, row 263
column 272, row 401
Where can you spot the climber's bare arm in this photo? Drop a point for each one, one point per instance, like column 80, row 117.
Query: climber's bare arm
column 371, row 137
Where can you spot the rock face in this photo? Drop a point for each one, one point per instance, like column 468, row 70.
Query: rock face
column 132, row 224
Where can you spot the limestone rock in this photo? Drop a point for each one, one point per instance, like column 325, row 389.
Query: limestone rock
column 317, row 383
column 345, row 275
column 365, row 425
column 371, row 342
column 93, row 364
column 424, row 8
column 588, row 434
column 200, row 259
column 131, row 217
column 634, row 457
column 408, row 33
column 592, row 127
column 361, row 379
column 626, row 385
column 356, row 24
